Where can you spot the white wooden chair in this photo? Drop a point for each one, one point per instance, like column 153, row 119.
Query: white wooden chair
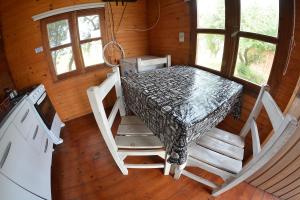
column 133, row 137
column 150, row 64
column 221, row 152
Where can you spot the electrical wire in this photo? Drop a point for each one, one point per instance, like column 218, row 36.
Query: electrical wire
column 112, row 20
column 292, row 42
column 113, row 42
column 146, row 29
column 121, row 18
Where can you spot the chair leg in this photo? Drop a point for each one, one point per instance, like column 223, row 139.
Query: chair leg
column 227, row 186
column 167, row 166
column 119, row 161
column 124, row 170
column 178, row 170
column 172, row 170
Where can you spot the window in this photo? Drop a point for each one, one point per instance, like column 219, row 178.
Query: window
column 73, row 42
column 260, row 17
column 211, row 14
column 243, row 39
column 255, row 56
column 210, row 33
column 90, row 39
column 255, row 60
column 210, row 50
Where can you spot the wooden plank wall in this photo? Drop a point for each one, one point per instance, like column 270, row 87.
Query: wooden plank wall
column 21, row 35
column 5, row 76
column 282, row 178
column 175, row 18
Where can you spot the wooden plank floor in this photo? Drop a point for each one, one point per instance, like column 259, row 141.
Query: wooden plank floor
column 83, row 169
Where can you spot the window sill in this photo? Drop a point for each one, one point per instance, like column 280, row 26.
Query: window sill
column 250, row 88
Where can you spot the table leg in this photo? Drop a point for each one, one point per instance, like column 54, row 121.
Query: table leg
column 178, row 170
column 172, row 170
column 167, row 165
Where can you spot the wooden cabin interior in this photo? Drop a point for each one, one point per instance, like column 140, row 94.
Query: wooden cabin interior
column 60, row 59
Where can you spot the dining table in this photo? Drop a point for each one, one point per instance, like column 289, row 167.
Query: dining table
column 179, row 104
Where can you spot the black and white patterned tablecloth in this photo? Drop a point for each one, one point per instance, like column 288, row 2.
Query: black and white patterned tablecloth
column 180, row 104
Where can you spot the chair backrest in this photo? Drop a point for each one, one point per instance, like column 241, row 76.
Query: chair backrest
column 96, row 94
column 141, row 64
column 284, row 127
column 278, row 120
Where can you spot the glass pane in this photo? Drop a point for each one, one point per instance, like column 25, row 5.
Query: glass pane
column 58, row 33
column 92, row 53
column 254, row 61
column 63, row 60
column 210, row 49
column 211, row 14
column 89, row 27
column 260, row 16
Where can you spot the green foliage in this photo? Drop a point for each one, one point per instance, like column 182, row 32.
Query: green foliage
column 257, row 16
column 245, row 72
column 91, row 23
column 59, row 34
column 211, row 14
column 214, row 43
column 254, row 19
column 253, row 51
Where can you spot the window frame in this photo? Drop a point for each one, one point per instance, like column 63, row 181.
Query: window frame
column 197, row 30
column 72, row 18
column 283, row 42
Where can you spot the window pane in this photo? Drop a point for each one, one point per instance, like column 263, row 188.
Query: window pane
column 63, row 60
column 260, row 16
column 89, row 27
column 210, row 49
column 211, row 14
column 92, row 53
column 58, row 33
column 255, row 60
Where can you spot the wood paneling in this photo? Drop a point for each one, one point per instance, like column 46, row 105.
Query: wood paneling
column 5, row 77
column 281, row 176
column 175, row 18
column 21, row 35
column 83, row 169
